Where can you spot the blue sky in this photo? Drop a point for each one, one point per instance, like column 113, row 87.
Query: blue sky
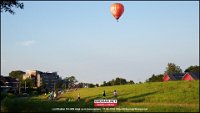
column 84, row 40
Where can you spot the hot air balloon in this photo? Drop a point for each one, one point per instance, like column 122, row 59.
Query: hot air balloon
column 117, row 10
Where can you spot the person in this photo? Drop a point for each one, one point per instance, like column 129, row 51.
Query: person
column 104, row 94
column 57, row 94
column 54, row 95
column 51, row 95
column 115, row 94
column 79, row 97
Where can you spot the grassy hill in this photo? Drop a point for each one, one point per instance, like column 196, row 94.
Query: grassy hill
column 155, row 96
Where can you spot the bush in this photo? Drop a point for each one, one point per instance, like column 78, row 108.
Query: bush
column 11, row 95
column 34, row 93
column 3, row 95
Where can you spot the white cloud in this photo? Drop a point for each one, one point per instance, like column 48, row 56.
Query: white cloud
column 28, row 43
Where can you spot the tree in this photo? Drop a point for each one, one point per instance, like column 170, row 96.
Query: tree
column 193, row 69
column 57, row 85
column 43, row 87
column 131, row 82
column 112, row 82
column 63, row 87
column 70, row 81
column 80, row 85
column 155, row 78
column 172, row 68
column 117, row 81
column 90, row 85
column 104, row 83
column 6, row 5
column 123, row 81
column 17, row 74
column 97, row 85
column 120, row 81
column 29, row 83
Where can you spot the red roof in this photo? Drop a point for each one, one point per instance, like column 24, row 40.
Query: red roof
column 187, row 77
column 166, row 77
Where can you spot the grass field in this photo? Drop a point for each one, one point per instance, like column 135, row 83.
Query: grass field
column 173, row 96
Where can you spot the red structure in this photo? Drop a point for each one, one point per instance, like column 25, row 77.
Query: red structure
column 181, row 76
column 187, row 76
column 173, row 77
column 166, row 78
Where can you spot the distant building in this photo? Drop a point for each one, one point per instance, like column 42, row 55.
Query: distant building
column 40, row 78
column 173, row 77
column 181, row 76
column 191, row 76
column 49, row 79
column 9, row 84
column 34, row 75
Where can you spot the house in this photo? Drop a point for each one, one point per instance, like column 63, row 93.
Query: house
column 191, row 76
column 173, row 77
column 166, row 77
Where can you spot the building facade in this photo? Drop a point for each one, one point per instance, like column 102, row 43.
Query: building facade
column 45, row 79
column 181, row 76
column 9, row 84
column 49, row 80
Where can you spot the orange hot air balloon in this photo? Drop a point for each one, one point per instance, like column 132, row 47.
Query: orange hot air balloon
column 117, row 10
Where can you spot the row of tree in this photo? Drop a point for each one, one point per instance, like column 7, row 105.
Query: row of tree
column 117, row 81
column 172, row 68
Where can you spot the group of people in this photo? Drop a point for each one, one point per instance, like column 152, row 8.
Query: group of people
column 53, row 95
column 104, row 95
column 114, row 93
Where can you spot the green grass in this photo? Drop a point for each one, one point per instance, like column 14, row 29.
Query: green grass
column 173, row 96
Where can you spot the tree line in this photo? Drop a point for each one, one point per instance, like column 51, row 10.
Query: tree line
column 117, row 81
column 71, row 82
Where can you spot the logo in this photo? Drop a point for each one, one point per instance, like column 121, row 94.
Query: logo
column 105, row 102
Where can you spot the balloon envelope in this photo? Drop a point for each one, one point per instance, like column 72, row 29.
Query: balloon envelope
column 117, row 9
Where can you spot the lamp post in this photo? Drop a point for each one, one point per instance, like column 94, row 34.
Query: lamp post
column 25, row 86
column 19, row 86
column 54, row 86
